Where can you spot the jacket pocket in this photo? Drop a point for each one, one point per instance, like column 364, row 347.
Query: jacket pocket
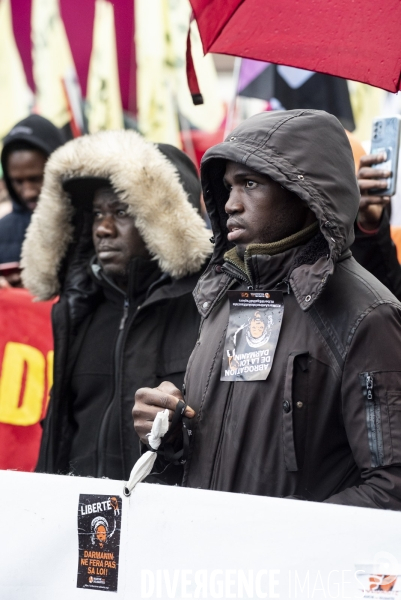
column 294, row 410
column 373, row 419
column 382, row 396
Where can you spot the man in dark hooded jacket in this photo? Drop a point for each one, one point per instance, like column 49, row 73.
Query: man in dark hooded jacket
column 118, row 236
column 25, row 152
column 315, row 412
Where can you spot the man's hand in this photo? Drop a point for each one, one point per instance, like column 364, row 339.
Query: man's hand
column 148, row 402
column 371, row 207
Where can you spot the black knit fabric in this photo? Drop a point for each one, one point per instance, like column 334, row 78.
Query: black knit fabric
column 311, row 252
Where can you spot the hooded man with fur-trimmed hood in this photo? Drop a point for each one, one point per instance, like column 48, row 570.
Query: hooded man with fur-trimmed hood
column 118, row 237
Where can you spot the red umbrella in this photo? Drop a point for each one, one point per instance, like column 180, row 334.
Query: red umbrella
column 355, row 39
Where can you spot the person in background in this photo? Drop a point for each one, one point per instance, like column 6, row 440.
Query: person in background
column 26, row 149
column 118, row 237
column 373, row 247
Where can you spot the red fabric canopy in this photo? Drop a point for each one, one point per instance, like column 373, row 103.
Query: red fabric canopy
column 355, row 39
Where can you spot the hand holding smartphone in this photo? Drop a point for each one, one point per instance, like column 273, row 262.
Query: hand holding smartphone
column 386, row 142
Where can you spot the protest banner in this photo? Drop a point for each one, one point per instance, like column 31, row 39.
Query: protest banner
column 26, row 372
column 74, row 537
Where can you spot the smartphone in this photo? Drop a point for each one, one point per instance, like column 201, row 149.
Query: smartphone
column 386, row 139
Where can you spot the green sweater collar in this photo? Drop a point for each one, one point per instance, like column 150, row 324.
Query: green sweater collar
column 297, row 239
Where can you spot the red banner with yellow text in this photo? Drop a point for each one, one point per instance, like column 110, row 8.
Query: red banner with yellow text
column 26, row 370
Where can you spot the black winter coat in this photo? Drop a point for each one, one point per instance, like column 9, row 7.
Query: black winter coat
column 152, row 343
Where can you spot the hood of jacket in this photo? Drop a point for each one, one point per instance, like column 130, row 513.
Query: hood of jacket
column 156, row 190
column 308, row 153
column 34, row 131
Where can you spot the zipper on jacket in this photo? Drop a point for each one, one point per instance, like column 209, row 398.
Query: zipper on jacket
column 234, row 271
column 220, row 442
column 106, row 416
column 125, row 314
column 373, row 420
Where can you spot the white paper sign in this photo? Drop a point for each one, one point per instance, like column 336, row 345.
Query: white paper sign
column 184, row 543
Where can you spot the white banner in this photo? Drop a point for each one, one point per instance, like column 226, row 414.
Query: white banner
column 59, row 531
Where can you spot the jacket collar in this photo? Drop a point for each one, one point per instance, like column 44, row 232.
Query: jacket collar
column 262, row 271
column 143, row 275
column 304, row 269
column 247, row 266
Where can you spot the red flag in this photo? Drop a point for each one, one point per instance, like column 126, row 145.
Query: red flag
column 26, row 369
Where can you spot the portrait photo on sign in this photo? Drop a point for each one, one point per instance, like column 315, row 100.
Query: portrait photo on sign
column 99, row 530
column 252, row 335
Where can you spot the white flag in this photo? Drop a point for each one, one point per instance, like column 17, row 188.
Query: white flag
column 162, row 86
column 53, row 65
column 104, row 108
column 156, row 94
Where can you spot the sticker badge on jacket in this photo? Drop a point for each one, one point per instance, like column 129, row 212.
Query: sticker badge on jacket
column 99, row 529
column 252, row 335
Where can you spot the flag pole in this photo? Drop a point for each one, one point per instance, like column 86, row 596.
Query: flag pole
column 233, row 104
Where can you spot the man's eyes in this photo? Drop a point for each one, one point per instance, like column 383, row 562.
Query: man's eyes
column 36, row 179
column 248, row 183
column 120, row 212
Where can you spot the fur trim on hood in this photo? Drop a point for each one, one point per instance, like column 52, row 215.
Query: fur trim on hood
column 173, row 231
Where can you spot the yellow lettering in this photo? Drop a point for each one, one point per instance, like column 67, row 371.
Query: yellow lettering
column 14, row 360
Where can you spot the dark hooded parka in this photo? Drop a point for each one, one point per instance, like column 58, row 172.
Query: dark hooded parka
column 108, row 342
column 326, row 423
column 33, row 133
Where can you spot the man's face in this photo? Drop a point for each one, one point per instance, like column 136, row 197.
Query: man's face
column 25, row 170
column 115, row 237
column 259, row 210
column 101, row 535
column 257, row 326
